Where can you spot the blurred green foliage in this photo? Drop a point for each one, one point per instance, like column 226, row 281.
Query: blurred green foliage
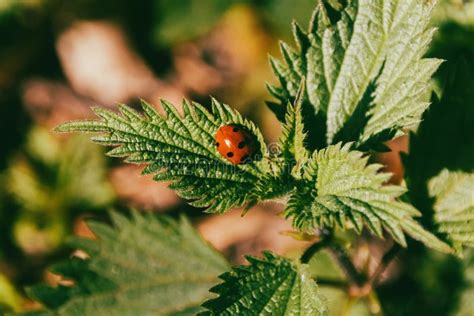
column 465, row 305
column 45, row 188
column 9, row 297
column 187, row 19
column 52, row 183
column 429, row 283
column 173, row 24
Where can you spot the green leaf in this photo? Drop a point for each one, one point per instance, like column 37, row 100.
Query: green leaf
column 292, row 140
column 341, row 189
column 269, row 286
column 453, row 194
column 145, row 265
column 293, row 134
column 368, row 60
column 182, row 148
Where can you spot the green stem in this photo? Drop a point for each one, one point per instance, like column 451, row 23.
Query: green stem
column 326, row 237
column 373, row 303
column 345, row 262
column 338, row 253
column 346, row 310
column 331, row 283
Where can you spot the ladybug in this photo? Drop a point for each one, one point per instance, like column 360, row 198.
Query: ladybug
column 235, row 143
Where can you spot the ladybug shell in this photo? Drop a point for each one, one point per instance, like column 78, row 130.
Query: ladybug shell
column 235, row 143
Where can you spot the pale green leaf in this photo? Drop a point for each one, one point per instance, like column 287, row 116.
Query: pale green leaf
column 145, row 265
column 343, row 190
column 364, row 71
column 453, row 194
column 269, row 286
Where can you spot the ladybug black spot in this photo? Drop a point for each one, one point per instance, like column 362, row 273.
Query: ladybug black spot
column 217, row 144
column 235, row 129
column 230, row 154
column 241, row 145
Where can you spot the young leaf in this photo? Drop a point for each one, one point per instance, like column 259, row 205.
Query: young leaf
column 293, row 134
column 342, row 189
column 269, row 286
column 292, row 140
column 453, row 194
column 182, row 149
column 142, row 266
column 368, row 61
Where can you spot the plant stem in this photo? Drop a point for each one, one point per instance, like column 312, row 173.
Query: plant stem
column 331, row 282
column 384, row 263
column 326, row 238
column 338, row 253
column 347, row 308
column 314, row 248
column 345, row 262
column 373, row 302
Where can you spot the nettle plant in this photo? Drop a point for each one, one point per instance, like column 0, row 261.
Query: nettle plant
column 356, row 79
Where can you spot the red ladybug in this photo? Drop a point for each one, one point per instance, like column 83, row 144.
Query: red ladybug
column 235, row 143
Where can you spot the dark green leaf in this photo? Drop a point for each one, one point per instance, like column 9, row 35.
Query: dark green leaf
column 269, row 286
